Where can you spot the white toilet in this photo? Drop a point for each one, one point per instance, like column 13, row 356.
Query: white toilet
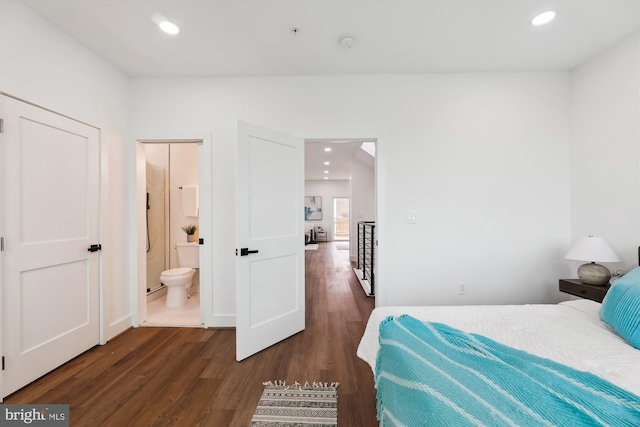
column 178, row 280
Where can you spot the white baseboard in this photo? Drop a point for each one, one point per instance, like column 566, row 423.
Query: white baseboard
column 117, row 327
column 363, row 282
column 221, row 321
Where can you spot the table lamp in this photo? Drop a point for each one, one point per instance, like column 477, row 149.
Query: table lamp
column 593, row 249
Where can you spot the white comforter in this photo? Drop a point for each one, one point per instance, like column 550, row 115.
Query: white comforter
column 570, row 333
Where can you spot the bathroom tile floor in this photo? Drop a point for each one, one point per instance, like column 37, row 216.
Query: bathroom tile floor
column 186, row 316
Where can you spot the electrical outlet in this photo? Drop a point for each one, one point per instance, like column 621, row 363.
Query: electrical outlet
column 411, row 216
column 462, row 287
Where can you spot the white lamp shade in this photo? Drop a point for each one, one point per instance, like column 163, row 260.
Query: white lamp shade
column 592, row 249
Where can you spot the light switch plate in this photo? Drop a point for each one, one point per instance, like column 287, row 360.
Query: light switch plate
column 411, row 217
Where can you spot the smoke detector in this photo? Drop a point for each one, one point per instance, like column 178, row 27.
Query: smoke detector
column 346, row 42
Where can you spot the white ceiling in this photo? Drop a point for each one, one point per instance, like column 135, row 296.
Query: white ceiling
column 339, row 159
column 253, row 37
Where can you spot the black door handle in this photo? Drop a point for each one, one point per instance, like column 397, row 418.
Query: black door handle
column 95, row 248
column 246, row 251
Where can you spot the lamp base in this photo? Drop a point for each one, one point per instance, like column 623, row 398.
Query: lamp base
column 594, row 274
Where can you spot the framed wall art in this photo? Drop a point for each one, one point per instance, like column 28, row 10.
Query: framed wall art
column 312, row 208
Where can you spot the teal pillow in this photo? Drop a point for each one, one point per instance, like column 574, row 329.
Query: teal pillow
column 621, row 307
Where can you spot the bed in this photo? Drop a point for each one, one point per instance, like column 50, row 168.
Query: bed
column 568, row 339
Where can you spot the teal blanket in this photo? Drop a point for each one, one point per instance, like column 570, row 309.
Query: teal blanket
column 429, row 374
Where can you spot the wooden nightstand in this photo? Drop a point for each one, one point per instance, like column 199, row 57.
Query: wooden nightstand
column 577, row 288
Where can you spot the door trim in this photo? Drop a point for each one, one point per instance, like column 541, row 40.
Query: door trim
column 48, row 109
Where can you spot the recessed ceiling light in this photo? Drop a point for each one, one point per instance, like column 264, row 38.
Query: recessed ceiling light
column 327, row 149
column 326, row 177
column 165, row 25
column 544, row 18
column 169, row 27
column 326, row 171
column 327, row 163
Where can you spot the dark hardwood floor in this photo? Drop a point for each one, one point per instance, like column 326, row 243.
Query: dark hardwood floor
column 189, row 377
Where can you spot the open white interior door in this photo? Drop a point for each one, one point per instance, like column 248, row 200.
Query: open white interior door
column 269, row 237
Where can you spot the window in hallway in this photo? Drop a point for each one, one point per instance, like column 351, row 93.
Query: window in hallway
column 340, row 218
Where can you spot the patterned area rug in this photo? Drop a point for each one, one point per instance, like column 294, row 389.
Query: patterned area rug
column 314, row 405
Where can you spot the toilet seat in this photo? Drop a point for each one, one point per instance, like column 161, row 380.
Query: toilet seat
column 176, row 273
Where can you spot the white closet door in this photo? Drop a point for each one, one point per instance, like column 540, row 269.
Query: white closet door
column 50, row 217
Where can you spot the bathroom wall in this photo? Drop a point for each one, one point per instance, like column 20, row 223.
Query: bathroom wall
column 180, row 160
column 157, row 227
column 183, row 170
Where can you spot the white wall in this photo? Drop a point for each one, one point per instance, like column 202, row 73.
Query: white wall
column 40, row 64
column 327, row 189
column 605, row 151
column 363, row 208
column 482, row 158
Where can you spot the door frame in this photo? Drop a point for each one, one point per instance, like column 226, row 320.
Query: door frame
column 380, row 296
column 137, row 218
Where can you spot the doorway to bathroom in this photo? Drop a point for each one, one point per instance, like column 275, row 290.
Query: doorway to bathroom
column 171, row 225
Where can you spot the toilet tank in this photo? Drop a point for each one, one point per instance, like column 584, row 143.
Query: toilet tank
column 188, row 254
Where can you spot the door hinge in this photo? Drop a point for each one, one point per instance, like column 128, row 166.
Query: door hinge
column 1, row 244
column 3, row 363
column 1, row 125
